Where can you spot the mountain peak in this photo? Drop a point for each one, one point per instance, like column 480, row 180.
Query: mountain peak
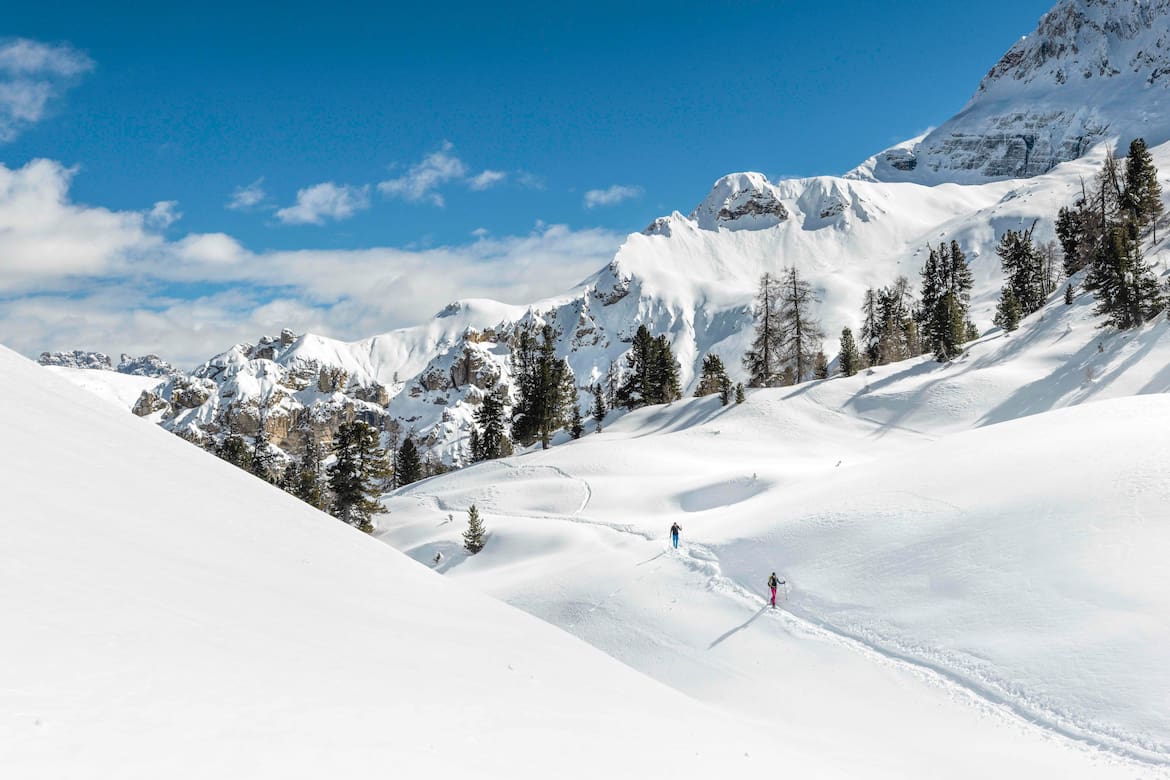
column 741, row 201
column 1092, row 71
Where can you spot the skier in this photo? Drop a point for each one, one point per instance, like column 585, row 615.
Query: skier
column 674, row 532
column 773, row 583
column 438, row 557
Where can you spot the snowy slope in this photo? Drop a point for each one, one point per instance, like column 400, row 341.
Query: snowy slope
column 166, row 615
column 1008, row 574
column 119, row 390
column 1092, row 70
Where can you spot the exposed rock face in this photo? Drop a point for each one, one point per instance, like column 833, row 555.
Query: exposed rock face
column 741, row 201
column 147, row 365
column 1091, row 71
column 78, row 358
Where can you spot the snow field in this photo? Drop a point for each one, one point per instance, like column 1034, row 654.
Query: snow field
column 170, row 616
column 957, row 577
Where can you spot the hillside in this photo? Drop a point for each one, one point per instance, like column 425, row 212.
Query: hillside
column 990, row 532
column 166, row 615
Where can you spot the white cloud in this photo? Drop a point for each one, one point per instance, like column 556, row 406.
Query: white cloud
column 248, row 197
column 325, row 201
column 43, row 236
column 422, row 181
column 75, row 276
column 611, row 196
column 486, row 179
column 32, row 75
column 163, row 214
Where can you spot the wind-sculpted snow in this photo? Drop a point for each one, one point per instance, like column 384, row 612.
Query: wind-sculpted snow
column 168, row 616
column 978, row 545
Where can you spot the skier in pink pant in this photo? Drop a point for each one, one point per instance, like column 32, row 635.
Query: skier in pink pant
column 773, row 583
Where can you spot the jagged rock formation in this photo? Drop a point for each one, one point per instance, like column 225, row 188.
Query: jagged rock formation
column 1092, row 70
column 147, row 365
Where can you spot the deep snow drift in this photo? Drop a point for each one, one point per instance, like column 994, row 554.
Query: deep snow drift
column 167, row 615
column 954, row 571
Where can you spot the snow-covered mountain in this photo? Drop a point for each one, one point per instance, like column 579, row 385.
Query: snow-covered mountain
column 693, row 277
column 1092, row 71
column 147, row 365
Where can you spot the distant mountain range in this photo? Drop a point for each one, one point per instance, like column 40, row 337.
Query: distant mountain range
column 1094, row 71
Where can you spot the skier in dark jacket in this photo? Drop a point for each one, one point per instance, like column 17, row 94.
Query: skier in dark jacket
column 773, row 583
column 674, row 532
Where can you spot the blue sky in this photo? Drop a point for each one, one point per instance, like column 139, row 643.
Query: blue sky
column 438, row 127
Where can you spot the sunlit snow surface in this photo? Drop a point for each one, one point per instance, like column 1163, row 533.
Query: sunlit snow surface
column 166, row 615
column 969, row 594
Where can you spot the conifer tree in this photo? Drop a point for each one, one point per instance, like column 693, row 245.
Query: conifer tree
column 576, row 422
column 1127, row 290
column 475, row 537
column 306, row 483
column 821, row 365
column 356, row 475
column 724, row 390
column 740, row 396
column 711, row 376
column 801, row 331
column 1143, row 194
column 763, row 361
column 848, row 358
column 542, row 382
column 234, row 449
column 264, row 459
column 408, row 464
column 638, row 388
column 490, row 416
column 1024, row 270
column 474, row 444
column 871, row 327
column 1007, row 312
column 666, row 383
column 598, row 410
column 1068, row 295
column 946, row 293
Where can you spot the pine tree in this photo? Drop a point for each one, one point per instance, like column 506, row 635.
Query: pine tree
column 740, row 396
column 542, row 382
column 848, row 358
column 724, row 390
column 356, row 475
column 305, row 482
column 801, row 332
column 1068, row 295
column 264, row 459
column 598, row 410
column 408, row 464
column 820, row 365
column 576, row 422
column 1143, row 194
column 474, row 444
column 490, row 416
column 711, row 376
column 666, row 388
column 970, row 332
column 638, row 388
column 946, row 293
column 1127, row 290
column 1008, row 312
column 234, row 449
column 762, row 362
column 474, row 538
column 1024, row 269
column 871, row 327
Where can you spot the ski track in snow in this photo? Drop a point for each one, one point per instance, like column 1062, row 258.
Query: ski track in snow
column 989, row 695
